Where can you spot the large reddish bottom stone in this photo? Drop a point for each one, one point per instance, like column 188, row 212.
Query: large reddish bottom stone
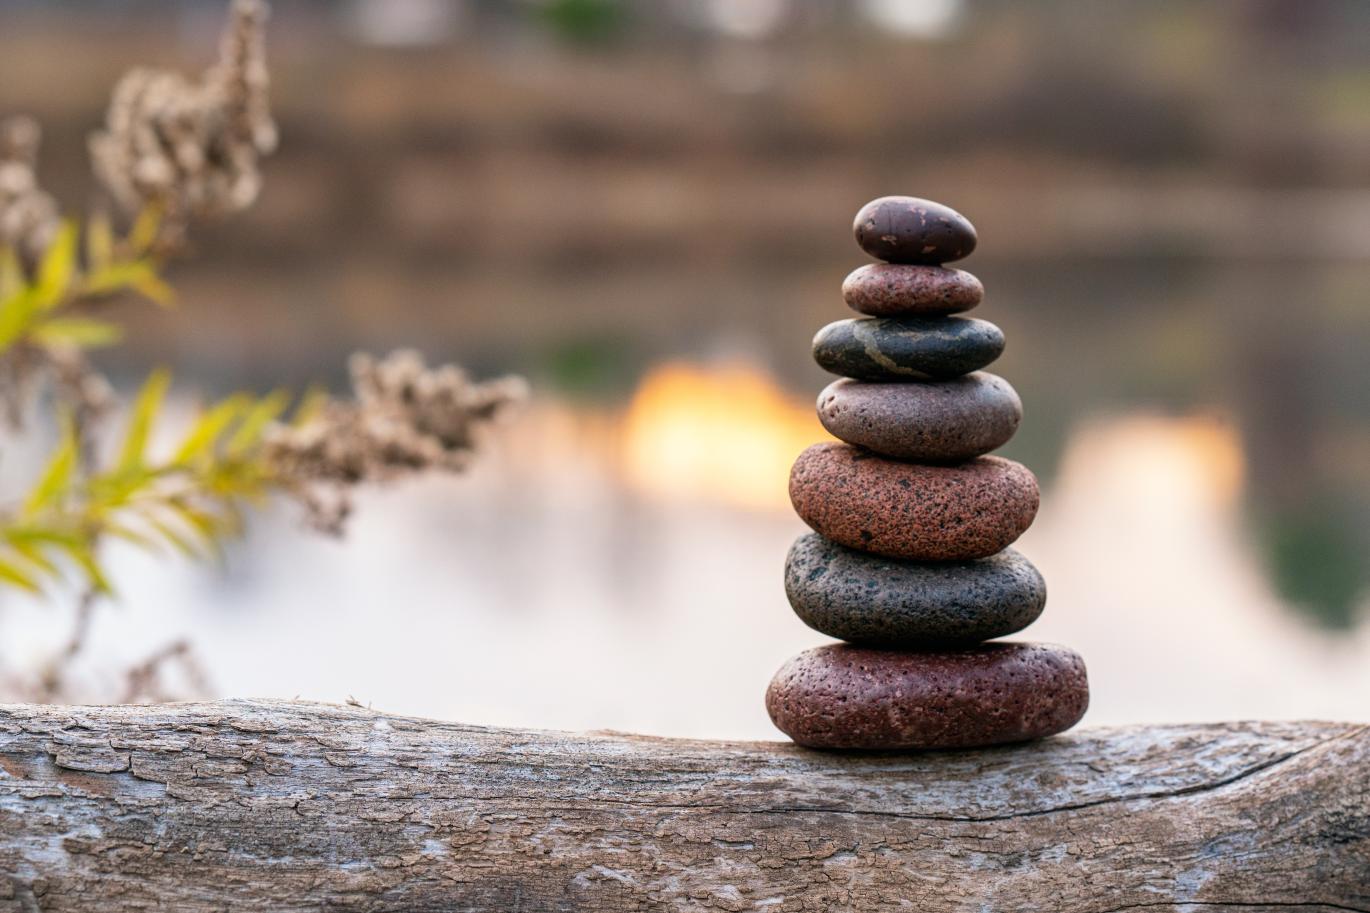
column 842, row 696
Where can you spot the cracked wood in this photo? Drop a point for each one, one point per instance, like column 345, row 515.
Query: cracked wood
column 288, row 806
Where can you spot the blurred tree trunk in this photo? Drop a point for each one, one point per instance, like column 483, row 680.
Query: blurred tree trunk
column 289, row 806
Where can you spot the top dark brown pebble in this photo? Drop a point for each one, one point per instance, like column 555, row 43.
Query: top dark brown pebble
column 848, row 697
column 907, row 510
column 912, row 230
column 902, row 290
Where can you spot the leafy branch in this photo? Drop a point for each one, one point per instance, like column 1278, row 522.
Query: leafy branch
column 38, row 309
column 189, row 500
column 174, row 150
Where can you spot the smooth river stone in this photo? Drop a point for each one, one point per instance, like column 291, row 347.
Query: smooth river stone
column 844, row 696
column 886, row 602
column 912, row 230
column 943, row 421
column 897, row 289
column 905, row 510
column 907, row 348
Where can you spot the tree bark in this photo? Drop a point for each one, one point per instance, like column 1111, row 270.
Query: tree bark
column 261, row 805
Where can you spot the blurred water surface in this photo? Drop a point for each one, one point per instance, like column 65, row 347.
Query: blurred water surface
column 620, row 567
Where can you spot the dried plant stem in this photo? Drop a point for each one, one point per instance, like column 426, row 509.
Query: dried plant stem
column 52, row 683
column 143, row 680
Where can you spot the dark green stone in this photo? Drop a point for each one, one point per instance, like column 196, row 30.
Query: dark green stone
column 907, row 348
column 868, row 599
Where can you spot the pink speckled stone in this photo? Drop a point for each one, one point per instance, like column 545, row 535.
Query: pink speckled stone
column 907, row 510
column 842, row 696
column 903, row 290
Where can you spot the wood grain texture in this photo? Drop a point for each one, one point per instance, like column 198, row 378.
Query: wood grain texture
column 287, row 806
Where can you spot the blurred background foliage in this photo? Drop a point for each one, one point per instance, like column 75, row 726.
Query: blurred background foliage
column 1173, row 200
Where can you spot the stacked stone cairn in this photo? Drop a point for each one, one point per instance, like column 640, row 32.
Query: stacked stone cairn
column 909, row 561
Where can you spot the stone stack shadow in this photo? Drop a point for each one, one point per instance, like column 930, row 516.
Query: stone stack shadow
column 910, row 560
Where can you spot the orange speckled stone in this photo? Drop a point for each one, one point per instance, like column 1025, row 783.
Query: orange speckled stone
column 906, row 510
column 901, row 290
column 842, row 696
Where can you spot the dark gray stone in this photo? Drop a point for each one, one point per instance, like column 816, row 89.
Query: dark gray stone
column 867, row 599
column 907, row 348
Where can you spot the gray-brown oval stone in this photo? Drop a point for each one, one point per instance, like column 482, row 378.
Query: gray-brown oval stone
column 943, row 421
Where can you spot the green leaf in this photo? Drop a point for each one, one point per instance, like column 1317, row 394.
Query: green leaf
column 178, row 541
column 23, row 535
column 311, row 405
column 249, row 431
column 139, row 275
column 82, row 554
column 11, row 274
column 56, row 477
column 145, row 410
column 16, row 313
column 84, row 332
column 151, row 286
column 55, row 275
column 113, row 489
column 146, row 227
column 209, row 527
column 16, row 576
column 57, row 269
column 129, row 534
column 206, row 431
column 110, row 278
column 34, row 555
column 99, row 242
column 95, row 575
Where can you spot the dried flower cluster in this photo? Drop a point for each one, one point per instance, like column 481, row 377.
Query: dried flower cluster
column 192, row 147
column 172, row 148
column 406, row 418
column 28, row 215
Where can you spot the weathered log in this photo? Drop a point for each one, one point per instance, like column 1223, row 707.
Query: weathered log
column 285, row 806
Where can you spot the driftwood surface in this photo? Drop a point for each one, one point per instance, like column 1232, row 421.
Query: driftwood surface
column 265, row 805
